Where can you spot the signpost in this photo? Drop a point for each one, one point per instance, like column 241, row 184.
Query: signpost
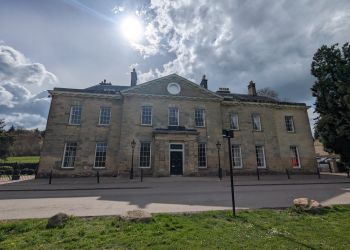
column 228, row 133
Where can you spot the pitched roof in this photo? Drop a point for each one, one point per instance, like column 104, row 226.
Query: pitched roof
column 97, row 89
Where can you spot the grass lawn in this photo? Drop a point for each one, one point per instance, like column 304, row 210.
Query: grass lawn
column 260, row 229
column 22, row 159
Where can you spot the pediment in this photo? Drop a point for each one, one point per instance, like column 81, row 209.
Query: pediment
column 173, row 86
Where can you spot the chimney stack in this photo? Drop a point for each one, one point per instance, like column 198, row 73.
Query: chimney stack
column 204, row 82
column 251, row 88
column 133, row 78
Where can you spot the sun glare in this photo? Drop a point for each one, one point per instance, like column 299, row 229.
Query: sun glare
column 131, row 28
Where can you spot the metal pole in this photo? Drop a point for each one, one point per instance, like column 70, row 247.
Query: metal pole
column 318, row 173
column 141, row 174
column 132, row 165
column 50, row 177
column 258, row 173
column 98, row 176
column 220, row 170
column 231, row 176
column 287, row 172
column 348, row 172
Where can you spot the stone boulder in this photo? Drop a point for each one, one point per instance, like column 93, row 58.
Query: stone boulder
column 57, row 221
column 307, row 205
column 138, row 215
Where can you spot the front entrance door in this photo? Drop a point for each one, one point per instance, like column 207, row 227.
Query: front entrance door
column 176, row 159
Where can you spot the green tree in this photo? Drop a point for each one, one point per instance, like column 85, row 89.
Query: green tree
column 331, row 67
column 6, row 140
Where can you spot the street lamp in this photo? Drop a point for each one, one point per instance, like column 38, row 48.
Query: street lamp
column 133, row 144
column 218, row 146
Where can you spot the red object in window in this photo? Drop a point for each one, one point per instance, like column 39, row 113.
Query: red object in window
column 294, row 162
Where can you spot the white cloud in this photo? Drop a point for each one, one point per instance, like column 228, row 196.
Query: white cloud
column 23, row 120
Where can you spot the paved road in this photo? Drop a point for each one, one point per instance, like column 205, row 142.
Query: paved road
column 180, row 195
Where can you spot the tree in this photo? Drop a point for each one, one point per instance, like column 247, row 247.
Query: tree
column 6, row 140
column 331, row 67
column 267, row 92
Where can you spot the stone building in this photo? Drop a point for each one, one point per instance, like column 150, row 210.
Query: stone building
column 176, row 125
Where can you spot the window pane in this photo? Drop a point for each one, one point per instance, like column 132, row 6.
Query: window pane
column 260, row 156
column 75, row 115
column 256, row 122
column 105, row 115
column 289, row 123
column 202, row 155
column 199, row 117
column 236, row 156
column 69, row 154
column 294, row 157
column 234, row 121
column 146, row 115
column 173, row 117
column 175, row 146
column 100, row 156
column 145, row 154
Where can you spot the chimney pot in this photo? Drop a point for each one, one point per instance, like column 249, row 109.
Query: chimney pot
column 251, row 88
column 133, row 77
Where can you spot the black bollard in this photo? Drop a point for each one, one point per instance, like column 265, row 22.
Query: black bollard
column 318, row 173
column 287, row 172
column 50, row 177
column 98, row 177
column 258, row 174
column 348, row 171
column 141, row 174
column 330, row 168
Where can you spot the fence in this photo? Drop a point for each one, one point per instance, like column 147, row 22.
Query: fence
column 16, row 171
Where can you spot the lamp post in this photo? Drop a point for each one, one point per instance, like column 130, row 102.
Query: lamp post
column 228, row 133
column 218, row 146
column 133, row 144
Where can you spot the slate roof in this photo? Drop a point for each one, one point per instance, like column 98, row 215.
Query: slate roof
column 250, row 98
column 97, row 89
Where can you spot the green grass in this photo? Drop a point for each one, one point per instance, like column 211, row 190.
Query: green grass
column 260, row 229
column 22, row 159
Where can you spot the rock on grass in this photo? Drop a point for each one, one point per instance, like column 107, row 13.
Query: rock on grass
column 57, row 221
column 137, row 216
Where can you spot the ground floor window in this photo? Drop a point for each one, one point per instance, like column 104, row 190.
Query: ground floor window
column 236, row 156
column 100, row 155
column 70, row 150
column 294, row 157
column 145, row 155
column 260, row 156
column 202, row 155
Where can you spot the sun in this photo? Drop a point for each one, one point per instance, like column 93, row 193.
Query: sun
column 131, row 28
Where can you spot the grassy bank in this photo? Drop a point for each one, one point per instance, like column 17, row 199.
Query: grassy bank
column 261, row 229
column 22, row 159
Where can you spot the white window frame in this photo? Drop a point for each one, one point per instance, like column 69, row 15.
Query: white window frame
column 231, row 123
column 206, row 155
column 202, row 110
column 256, row 156
column 240, row 155
column 64, row 155
column 70, row 115
column 260, row 125
column 110, row 116
column 297, row 150
column 146, row 124
column 98, row 167
column 150, row 154
column 292, row 123
column 178, row 117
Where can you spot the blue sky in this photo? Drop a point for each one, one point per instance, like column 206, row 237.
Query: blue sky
column 66, row 43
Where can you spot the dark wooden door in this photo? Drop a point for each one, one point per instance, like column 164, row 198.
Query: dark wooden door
column 175, row 163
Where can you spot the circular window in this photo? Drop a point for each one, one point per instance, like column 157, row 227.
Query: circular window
column 174, row 88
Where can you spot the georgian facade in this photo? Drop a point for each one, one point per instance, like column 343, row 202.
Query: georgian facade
column 176, row 125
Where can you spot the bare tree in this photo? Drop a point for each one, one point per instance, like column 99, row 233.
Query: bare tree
column 267, row 92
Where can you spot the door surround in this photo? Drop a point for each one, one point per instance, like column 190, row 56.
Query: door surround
column 177, row 150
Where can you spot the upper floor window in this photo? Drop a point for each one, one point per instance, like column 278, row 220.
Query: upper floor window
column 105, row 115
column 234, row 121
column 289, row 123
column 146, row 115
column 202, row 155
column 70, row 150
column 260, row 156
column 75, row 115
column 294, row 157
column 173, row 116
column 100, row 155
column 145, row 155
column 256, row 122
column 236, row 156
column 199, row 117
